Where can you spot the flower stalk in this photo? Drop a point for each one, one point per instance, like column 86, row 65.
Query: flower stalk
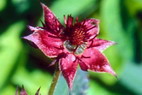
column 54, row 81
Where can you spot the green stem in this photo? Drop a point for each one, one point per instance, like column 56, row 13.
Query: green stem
column 54, row 81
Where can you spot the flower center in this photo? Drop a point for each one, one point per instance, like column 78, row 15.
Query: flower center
column 76, row 49
column 77, row 37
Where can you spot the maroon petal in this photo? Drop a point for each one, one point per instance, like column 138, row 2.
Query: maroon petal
column 48, row 43
column 91, row 27
column 51, row 22
column 68, row 21
column 68, row 66
column 94, row 60
column 23, row 91
column 33, row 29
column 101, row 44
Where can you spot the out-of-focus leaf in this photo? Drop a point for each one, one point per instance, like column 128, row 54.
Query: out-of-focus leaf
column 8, row 90
column 32, row 80
column 21, row 5
column 96, row 89
column 133, row 6
column 73, row 7
column 107, row 79
column 10, row 48
column 61, row 87
column 20, row 60
column 80, row 85
column 130, row 24
column 2, row 4
column 131, row 77
column 111, row 19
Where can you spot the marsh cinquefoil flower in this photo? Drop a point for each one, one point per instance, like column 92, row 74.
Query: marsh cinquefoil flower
column 72, row 44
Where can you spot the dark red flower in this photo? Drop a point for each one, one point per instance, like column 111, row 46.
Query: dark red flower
column 72, row 44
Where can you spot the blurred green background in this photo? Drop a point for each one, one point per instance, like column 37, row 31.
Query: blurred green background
column 21, row 64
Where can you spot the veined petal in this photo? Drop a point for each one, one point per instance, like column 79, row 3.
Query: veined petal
column 33, row 28
column 92, row 27
column 94, row 60
column 101, row 44
column 51, row 22
column 68, row 66
column 48, row 43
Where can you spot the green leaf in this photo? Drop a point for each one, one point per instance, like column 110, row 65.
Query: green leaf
column 2, row 4
column 133, row 6
column 10, row 49
column 73, row 7
column 21, row 5
column 112, row 21
column 131, row 77
column 32, row 80
column 8, row 90
column 97, row 89
column 80, row 85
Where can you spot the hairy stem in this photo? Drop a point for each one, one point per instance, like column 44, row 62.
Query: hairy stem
column 54, row 81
